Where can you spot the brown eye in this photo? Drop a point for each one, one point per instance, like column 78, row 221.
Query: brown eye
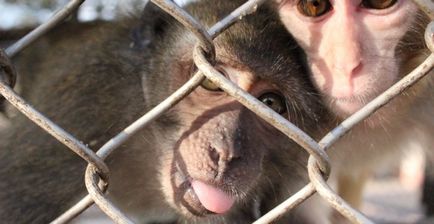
column 313, row 8
column 274, row 101
column 378, row 4
column 208, row 85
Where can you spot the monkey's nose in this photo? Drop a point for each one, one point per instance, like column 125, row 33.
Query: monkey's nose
column 214, row 155
column 222, row 152
column 223, row 159
column 221, row 155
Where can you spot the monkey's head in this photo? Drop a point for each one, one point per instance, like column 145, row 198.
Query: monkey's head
column 217, row 154
column 355, row 49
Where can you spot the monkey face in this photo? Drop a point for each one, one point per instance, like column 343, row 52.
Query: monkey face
column 216, row 154
column 353, row 49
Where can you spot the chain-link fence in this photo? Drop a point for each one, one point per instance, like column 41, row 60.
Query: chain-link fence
column 97, row 172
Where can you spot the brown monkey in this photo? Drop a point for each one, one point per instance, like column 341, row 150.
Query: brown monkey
column 356, row 50
column 208, row 159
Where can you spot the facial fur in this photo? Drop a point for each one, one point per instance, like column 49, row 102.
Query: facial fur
column 216, row 140
column 353, row 52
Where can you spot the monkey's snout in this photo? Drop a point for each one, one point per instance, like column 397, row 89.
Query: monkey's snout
column 201, row 198
column 213, row 162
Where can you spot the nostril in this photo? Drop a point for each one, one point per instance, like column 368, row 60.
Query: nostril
column 214, row 155
column 235, row 162
column 234, row 156
column 356, row 70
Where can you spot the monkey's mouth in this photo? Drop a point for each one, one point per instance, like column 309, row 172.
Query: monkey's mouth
column 201, row 198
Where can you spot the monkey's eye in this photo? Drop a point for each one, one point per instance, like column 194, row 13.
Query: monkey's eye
column 378, row 4
column 208, row 85
column 274, row 101
column 313, row 8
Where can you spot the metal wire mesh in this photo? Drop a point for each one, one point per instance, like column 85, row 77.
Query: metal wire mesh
column 97, row 174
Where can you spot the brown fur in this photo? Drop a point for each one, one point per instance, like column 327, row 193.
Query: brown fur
column 88, row 81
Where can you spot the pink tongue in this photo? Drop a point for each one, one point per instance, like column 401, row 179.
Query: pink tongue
column 213, row 199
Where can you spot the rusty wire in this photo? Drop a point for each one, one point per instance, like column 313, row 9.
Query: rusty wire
column 263, row 111
column 205, row 39
column 96, row 188
column 158, row 110
column 61, row 135
column 96, row 177
column 321, row 186
column 319, row 183
column 57, row 18
column 8, row 74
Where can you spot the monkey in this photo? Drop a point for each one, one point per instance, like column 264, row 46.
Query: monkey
column 355, row 51
column 207, row 160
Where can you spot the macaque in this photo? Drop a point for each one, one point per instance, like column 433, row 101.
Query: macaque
column 356, row 50
column 207, row 160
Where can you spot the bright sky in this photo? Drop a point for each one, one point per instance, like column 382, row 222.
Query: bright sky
column 16, row 15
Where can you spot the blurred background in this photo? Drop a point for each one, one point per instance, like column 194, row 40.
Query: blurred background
column 393, row 195
column 28, row 13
